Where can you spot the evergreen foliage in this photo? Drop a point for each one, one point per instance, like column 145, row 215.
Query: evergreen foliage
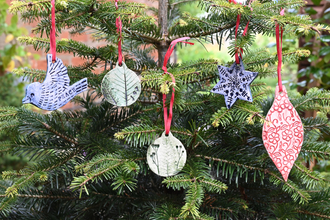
column 91, row 163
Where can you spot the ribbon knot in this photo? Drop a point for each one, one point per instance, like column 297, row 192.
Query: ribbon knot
column 168, row 119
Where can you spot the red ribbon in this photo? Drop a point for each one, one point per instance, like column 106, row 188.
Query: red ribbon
column 119, row 26
column 239, row 51
column 279, row 52
column 52, row 33
column 168, row 119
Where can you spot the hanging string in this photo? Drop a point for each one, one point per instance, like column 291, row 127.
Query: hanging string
column 239, row 51
column 168, row 118
column 119, row 26
column 52, row 32
column 279, row 52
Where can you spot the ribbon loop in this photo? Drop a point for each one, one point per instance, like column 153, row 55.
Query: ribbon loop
column 119, row 26
column 239, row 51
column 171, row 48
column 168, row 119
column 279, row 42
column 52, row 32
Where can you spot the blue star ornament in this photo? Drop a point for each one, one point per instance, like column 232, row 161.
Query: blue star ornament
column 234, row 83
column 55, row 91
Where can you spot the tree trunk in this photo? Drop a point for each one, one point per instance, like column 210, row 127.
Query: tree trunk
column 163, row 24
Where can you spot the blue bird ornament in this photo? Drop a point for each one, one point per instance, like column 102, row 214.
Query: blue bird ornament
column 55, row 91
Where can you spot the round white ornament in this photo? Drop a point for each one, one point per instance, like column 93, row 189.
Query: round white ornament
column 166, row 156
column 121, row 86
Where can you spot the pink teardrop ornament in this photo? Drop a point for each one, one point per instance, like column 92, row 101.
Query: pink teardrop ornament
column 283, row 133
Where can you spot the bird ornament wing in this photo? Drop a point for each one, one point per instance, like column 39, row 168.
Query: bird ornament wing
column 57, row 79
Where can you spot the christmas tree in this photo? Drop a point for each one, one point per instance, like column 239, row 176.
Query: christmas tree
column 92, row 163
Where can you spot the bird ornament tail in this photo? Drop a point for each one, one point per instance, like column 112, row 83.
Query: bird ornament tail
column 80, row 86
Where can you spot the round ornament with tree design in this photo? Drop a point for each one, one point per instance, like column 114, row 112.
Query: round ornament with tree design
column 166, row 156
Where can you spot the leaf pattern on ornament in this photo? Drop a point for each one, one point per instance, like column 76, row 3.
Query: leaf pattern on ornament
column 121, row 86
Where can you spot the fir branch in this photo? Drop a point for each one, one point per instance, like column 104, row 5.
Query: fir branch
column 253, row 113
column 2, row 186
column 47, row 197
column 307, row 173
column 5, row 204
column 272, row 59
column 222, row 4
column 179, row 181
column 209, row 136
column 213, row 185
column 202, row 33
column 95, row 161
column 142, row 198
column 182, row 132
column 70, row 46
column 284, row 4
column 121, row 134
column 221, row 116
column 219, row 208
column 193, row 201
column 180, row 2
column 68, row 157
column 232, row 162
column 32, row 5
column 91, row 177
column 315, row 151
column 49, row 128
column 309, row 100
column 7, row 113
column 45, row 25
column 304, row 197
column 9, row 174
column 144, row 36
column 12, row 191
column 201, row 80
column 128, row 116
column 313, row 214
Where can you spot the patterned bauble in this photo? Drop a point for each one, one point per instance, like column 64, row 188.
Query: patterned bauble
column 283, row 133
column 166, row 156
column 121, row 86
column 55, row 91
column 234, row 83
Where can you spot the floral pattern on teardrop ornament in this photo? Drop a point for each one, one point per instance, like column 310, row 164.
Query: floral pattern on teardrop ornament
column 283, row 133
